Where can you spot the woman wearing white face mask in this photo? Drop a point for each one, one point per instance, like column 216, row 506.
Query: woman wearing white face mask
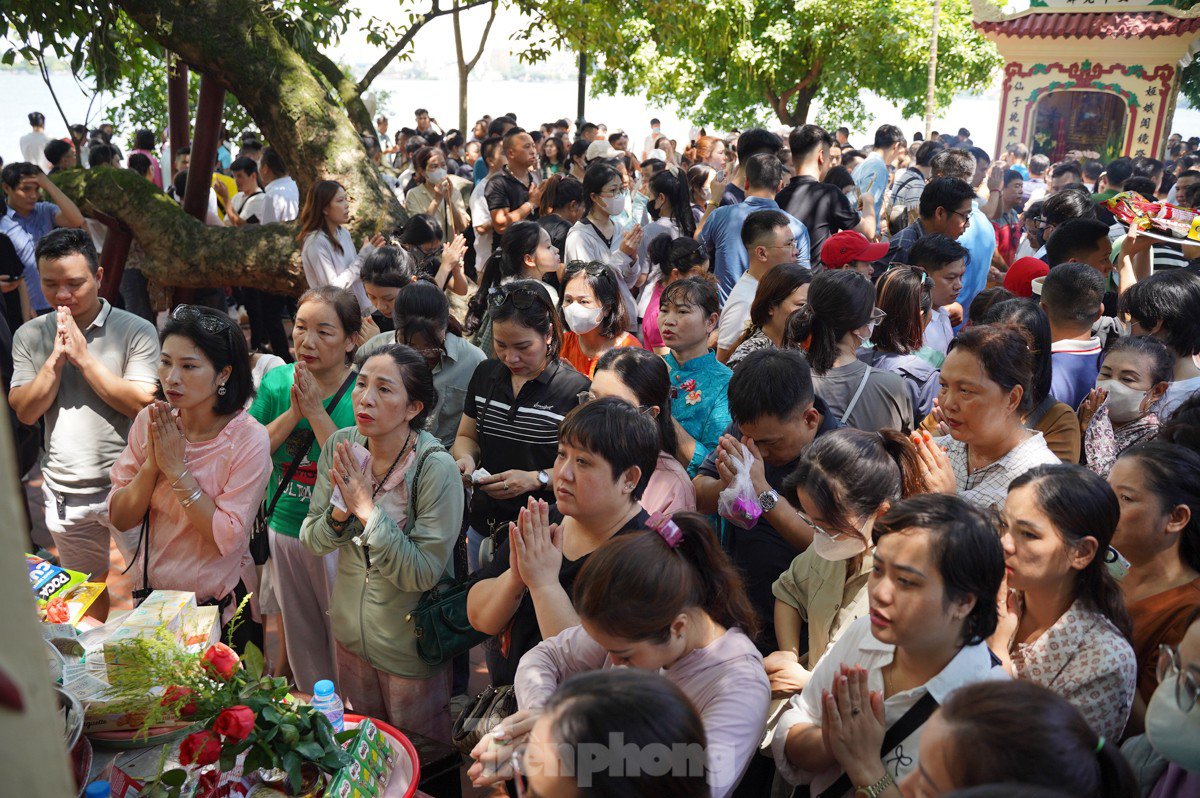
column 598, row 237
column 1116, row 415
column 431, row 191
column 839, row 316
column 845, row 480
column 594, row 315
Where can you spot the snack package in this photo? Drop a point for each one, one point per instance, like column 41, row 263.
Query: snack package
column 68, row 607
column 1135, row 210
column 343, row 785
column 738, row 503
column 478, row 475
column 49, row 580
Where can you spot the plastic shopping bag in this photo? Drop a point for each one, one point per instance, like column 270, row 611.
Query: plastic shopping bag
column 738, row 503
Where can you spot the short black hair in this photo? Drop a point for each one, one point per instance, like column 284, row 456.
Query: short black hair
column 848, row 156
column 954, row 162
column 1171, row 296
column 785, row 370
column 763, row 170
column 1073, row 292
column 1038, row 164
column 935, row 252
column 422, row 309
column 487, row 150
column 387, row 267
column 15, row 172
column 416, row 376
column 927, row 151
column 965, row 547
column 1011, row 176
column 139, row 163
column 1073, row 202
column 1067, row 168
column 804, row 140
column 1074, row 238
column 756, row 141
column 247, row 166
column 944, row 192
column 143, row 139
column 619, row 433
column 273, row 161
column 64, row 241
column 1140, row 185
column 223, row 343
column 760, row 223
column 510, row 135
column 101, row 155
column 886, row 136
column 1148, row 167
column 55, row 149
column 37, row 119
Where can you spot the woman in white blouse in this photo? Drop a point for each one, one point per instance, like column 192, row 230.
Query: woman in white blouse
column 327, row 251
column 932, row 592
column 1065, row 626
column 598, row 236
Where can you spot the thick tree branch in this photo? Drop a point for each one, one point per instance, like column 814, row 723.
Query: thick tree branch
column 482, row 39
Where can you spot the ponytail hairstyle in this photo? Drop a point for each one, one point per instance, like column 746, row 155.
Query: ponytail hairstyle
column 900, row 292
column 851, row 472
column 698, row 176
column 1079, row 503
column 597, row 176
column 677, row 192
column 519, row 240
column 779, row 284
column 635, row 585
column 838, row 301
column 702, row 149
column 421, row 308
column 1172, row 473
column 1027, row 314
column 560, row 190
column 645, row 373
column 684, row 254
column 1047, row 744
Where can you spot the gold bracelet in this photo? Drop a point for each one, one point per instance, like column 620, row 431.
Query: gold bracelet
column 876, row 789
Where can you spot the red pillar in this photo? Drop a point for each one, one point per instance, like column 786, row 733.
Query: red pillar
column 178, row 113
column 204, row 152
column 112, row 260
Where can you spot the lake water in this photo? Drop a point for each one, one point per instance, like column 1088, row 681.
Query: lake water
column 534, row 102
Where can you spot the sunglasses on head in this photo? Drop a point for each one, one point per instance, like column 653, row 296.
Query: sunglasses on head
column 209, row 320
column 592, row 268
column 519, row 296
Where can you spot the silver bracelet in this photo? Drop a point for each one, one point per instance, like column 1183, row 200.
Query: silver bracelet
column 192, row 499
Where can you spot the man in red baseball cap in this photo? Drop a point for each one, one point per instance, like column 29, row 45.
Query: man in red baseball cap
column 1020, row 276
column 851, row 250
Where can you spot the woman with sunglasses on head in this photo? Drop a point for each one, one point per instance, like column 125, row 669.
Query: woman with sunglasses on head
column 1158, row 488
column 844, row 482
column 514, row 406
column 598, row 236
column 1064, row 625
column 302, row 404
column 839, row 316
column 641, row 379
column 937, row 569
column 606, row 454
column 525, row 253
column 780, row 294
column 594, row 315
column 327, row 252
column 904, row 296
column 195, row 470
column 388, row 500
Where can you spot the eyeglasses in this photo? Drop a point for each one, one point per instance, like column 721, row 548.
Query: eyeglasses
column 966, row 217
column 590, row 396
column 831, row 535
column 520, row 296
column 1187, row 688
column 877, row 316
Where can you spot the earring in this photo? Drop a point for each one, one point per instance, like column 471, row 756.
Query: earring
column 221, row 390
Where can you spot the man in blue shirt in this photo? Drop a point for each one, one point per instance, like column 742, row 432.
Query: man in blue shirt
column 722, row 231
column 980, row 237
column 871, row 176
column 1071, row 296
column 23, row 183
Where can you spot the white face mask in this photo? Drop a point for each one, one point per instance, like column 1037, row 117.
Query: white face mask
column 1124, row 403
column 864, row 333
column 1172, row 732
column 436, row 176
column 580, row 319
column 615, row 206
column 843, row 548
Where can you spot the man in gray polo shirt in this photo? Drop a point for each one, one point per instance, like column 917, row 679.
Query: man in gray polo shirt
column 87, row 368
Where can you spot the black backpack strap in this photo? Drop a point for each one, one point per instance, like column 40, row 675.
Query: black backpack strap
column 909, row 722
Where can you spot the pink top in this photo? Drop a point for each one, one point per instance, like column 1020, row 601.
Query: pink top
column 651, row 337
column 232, row 470
column 725, row 681
column 670, row 489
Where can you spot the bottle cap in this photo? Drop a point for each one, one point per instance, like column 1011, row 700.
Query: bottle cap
column 323, row 687
column 97, row 789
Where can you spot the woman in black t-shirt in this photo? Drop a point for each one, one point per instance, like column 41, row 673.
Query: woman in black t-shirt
column 607, row 452
column 513, row 408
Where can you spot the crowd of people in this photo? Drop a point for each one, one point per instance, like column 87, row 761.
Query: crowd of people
column 877, row 470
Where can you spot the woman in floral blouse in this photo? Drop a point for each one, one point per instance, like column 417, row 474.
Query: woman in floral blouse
column 688, row 313
column 1066, row 627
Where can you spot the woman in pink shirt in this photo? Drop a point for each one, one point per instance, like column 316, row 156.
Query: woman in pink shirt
column 194, row 470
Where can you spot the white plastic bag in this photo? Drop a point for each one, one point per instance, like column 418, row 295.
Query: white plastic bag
column 738, row 503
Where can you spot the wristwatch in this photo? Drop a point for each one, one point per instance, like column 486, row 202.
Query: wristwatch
column 768, row 499
column 543, row 478
column 876, row 789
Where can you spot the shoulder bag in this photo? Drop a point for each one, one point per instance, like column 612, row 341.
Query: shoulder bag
column 482, row 715
column 260, row 542
column 440, row 617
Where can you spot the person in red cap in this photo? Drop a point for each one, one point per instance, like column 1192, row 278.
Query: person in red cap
column 1020, row 276
column 851, row 250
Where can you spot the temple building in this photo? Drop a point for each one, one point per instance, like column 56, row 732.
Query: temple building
column 1090, row 76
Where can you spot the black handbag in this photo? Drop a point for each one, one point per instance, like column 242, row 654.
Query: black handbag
column 260, row 540
column 482, row 715
column 440, row 619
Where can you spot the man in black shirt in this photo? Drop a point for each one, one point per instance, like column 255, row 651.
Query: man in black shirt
column 514, row 194
column 775, row 426
column 824, row 209
column 749, row 144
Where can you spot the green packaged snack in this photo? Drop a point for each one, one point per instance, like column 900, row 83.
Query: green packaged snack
column 369, row 756
column 344, row 786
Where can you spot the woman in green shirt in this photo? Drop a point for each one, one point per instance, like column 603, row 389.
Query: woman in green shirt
column 301, row 405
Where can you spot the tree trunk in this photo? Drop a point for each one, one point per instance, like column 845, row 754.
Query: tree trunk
column 346, row 88
column 465, row 66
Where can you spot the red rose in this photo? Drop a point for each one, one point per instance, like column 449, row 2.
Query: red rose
column 181, row 699
column 220, row 660
column 200, row 748
column 235, row 723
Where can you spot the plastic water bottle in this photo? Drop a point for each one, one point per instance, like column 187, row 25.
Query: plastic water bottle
column 97, row 789
column 328, row 704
